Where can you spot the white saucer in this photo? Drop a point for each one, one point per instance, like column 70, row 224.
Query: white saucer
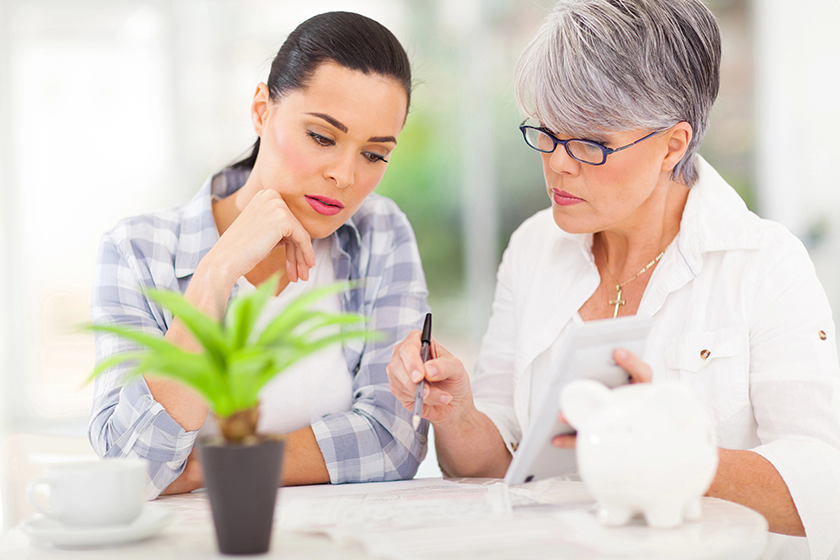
column 50, row 531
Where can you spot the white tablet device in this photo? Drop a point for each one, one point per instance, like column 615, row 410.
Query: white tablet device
column 586, row 353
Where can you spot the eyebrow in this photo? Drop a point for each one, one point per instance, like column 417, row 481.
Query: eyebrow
column 343, row 128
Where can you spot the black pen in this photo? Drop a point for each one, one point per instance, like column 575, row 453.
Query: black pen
column 426, row 340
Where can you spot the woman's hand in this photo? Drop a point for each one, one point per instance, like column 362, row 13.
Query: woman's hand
column 468, row 443
column 639, row 372
column 564, row 441
column 265, row 224
column 447, row 392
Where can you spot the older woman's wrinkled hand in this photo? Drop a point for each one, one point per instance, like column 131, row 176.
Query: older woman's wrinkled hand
column 447, row 391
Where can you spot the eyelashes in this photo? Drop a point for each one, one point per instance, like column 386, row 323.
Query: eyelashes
column 321, row 140
column 374, row 158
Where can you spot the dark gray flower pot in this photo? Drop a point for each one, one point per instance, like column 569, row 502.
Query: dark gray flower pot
column 242, row 482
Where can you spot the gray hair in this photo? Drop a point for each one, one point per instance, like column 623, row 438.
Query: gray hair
column 600, row 66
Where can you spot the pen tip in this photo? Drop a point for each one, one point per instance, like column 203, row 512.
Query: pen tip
column 416, row 421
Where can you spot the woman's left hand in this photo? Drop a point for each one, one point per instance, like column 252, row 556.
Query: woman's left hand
column 639, row 372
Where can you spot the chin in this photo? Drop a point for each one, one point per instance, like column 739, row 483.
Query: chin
column 318, row 229
column 571, row 225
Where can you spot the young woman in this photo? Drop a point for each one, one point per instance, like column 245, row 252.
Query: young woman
column 327, row 122
column 619, row 96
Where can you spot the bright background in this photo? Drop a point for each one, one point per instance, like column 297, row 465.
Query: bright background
column 117, row 107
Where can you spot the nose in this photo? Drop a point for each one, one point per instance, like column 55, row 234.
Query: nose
column 342, row 171
column 561, row 162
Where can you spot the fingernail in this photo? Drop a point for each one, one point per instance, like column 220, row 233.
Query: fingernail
column 426, row 392
column 431, row 371
column 620, row 354
column 444, row 399
column 416, row 376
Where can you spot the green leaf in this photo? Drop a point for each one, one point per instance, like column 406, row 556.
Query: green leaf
column 298, row 349
column 234, row 367
column 196, row 371
column 151, row 342
column 296, row 312
column 167, row 360
column 321, row 320
column 245, row 370
column 245, row 310
column 206, row 331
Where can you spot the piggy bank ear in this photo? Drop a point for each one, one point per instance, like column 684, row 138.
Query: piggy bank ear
column 581, row 398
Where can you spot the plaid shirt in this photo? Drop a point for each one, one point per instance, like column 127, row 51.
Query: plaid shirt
column 374, row 441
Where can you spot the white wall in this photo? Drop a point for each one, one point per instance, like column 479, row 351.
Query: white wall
column 6, row 194
column 797, row 48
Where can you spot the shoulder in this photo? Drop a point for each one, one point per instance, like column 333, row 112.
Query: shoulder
column 716, row 220
column 379, row 212
column 145, row 232
column 781, row 250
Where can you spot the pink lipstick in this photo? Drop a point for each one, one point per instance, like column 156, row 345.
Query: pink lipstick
column 562, row 198
column 324, row 205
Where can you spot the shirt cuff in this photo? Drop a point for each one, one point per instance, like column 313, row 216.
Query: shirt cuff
column 352, row 451
column 142, row 429
column 811, row 471
column 507, row 426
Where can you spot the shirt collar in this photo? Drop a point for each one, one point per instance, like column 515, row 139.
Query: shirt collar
column 198, row 232
column 715, row 218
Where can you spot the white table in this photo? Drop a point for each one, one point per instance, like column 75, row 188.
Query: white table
column 563, row 527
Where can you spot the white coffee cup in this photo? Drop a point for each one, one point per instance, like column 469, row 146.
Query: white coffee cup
column 92, row 493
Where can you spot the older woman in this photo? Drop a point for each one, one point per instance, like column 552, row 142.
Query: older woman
column 619, row 95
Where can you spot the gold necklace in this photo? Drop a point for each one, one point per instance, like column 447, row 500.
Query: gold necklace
column 618, row 302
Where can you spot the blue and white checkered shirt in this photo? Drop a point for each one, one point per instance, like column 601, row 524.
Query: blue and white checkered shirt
column 374, row 441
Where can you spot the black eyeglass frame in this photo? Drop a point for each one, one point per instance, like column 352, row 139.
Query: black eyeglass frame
column 604, row 150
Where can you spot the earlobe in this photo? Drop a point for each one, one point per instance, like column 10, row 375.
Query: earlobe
column 679, row 137
column 259, row 108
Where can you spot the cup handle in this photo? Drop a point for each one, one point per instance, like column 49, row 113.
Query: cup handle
column 32, row 494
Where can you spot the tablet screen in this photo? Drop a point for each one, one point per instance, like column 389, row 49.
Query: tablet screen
column 586, row 353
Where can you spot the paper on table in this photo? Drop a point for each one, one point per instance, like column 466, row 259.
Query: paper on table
column 397, row 508
column 726, row 531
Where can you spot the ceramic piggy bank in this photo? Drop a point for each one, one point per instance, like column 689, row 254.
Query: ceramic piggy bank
column 642, row 448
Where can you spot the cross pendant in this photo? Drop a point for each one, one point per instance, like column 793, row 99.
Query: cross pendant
column 617, row 301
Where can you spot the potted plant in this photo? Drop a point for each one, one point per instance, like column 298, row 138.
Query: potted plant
column 242, row 468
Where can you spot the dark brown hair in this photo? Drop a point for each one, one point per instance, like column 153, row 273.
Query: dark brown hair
column 347, row 39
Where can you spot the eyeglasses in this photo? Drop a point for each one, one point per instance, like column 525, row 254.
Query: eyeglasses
column 584, row 151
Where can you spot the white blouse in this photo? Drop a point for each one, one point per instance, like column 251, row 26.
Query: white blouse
column 315, row 386
column 739, row 316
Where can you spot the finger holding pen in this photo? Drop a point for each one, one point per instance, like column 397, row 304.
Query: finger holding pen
column 446, row 382
column 425, row 349
column 404, row 367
